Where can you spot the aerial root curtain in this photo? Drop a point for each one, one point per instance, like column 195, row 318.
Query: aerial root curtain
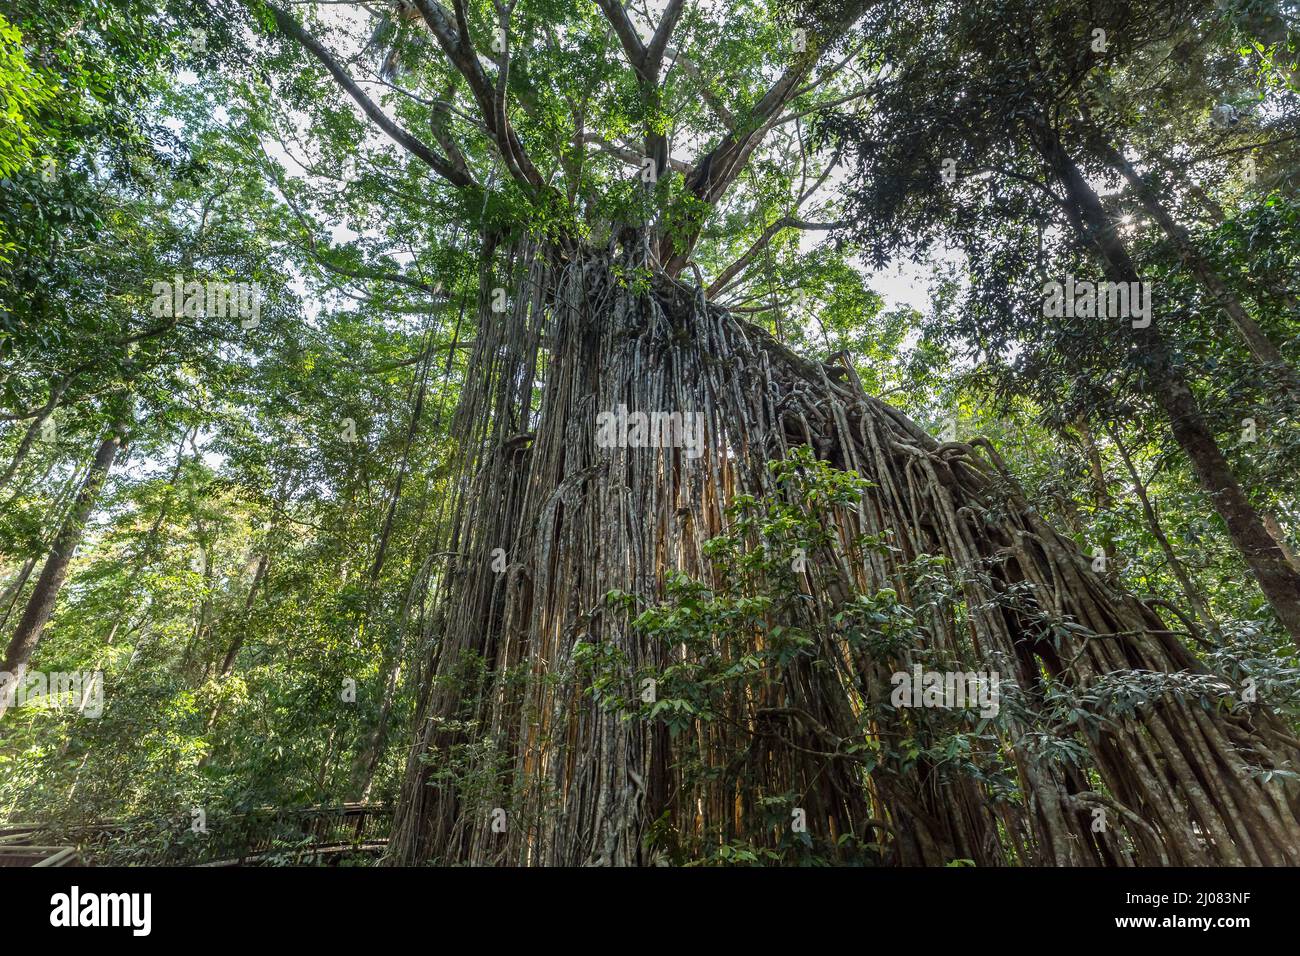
column 514, row 763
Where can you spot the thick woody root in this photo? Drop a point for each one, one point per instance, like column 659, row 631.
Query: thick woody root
column 506, row 724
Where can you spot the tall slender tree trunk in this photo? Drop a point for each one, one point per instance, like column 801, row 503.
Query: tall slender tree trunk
column 203, row 613
column 1262, row 348
column 1279, row 535
column 1100, row 484
column 1278, row 580
column 236, row 643
column 241, row 632
column 370, row 755
column 54, row 517
column 152, row 543
column 40, row 605
column 33, row 430
column 14, row 588
column 1193, row 594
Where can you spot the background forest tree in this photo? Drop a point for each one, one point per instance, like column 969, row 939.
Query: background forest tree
column 237, row 525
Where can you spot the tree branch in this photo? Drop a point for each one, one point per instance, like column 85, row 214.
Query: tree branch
column 628, row 155
column 453, row 37
column 721, row 283
column 654, row 54
column 439, row 164
column 632, row 46
column 717, row 170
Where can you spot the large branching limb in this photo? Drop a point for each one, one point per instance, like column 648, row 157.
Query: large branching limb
column 717, row 170
column 633, row 48
column 720, row 166
column 829, row 104
column 656, row 141
column 516, row 157
column 451, row 30
column 646, row 62
column 790, row 220
column 654, row 54
column 663, row 32
column 731, row 275
column 442, row 134
column 445, row 106
column 440, row 121
column 836, row 68
column 416, row 147
column 725, row 279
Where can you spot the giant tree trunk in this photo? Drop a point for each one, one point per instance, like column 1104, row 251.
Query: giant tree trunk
column 513, row 762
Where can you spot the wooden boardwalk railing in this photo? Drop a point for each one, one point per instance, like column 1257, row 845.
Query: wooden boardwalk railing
column 21, row 845
column 258, row 837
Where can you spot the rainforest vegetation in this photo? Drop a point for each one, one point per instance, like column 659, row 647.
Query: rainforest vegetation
column 601, row 432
